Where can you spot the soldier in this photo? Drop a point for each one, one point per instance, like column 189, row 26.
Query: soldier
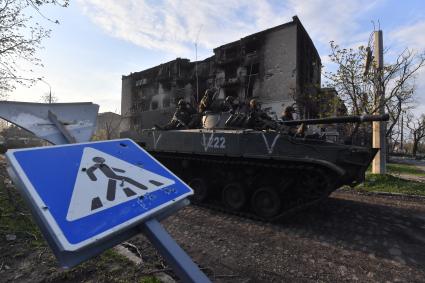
column 287, row 114
column 207, row 101
column 230, row 104
column 257, row 118
column 255, row 109
column 185, row 116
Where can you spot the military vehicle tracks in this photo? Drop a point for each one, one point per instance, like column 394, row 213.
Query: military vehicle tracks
column 270, row 189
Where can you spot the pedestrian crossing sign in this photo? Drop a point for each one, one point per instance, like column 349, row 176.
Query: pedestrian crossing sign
column 86, row 192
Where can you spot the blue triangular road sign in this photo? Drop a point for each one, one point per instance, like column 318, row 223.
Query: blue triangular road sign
column 86, row 192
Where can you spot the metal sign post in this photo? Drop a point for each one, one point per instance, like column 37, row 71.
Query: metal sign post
column 175, row 256
column 87, row 197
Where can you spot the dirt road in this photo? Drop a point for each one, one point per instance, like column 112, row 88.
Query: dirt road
column 420, row 164
column 351, row 237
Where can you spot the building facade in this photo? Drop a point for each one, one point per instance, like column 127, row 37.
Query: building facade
column 279, row 67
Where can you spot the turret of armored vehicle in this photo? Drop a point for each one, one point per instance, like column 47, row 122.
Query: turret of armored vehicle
column 260, row 174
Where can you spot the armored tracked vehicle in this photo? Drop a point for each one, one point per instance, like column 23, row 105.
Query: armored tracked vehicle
column 259, row 174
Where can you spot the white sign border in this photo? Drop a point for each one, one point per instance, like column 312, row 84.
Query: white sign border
column 50, row 221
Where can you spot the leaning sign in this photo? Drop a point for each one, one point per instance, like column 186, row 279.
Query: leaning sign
column 91, row 196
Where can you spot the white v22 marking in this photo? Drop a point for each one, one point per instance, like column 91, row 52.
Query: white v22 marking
column 213, row 142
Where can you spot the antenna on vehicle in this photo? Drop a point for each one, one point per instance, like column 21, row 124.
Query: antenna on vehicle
column 196, row 64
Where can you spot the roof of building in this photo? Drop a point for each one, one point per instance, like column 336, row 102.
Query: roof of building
column 260, row 33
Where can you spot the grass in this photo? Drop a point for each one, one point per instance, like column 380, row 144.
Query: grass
column 30, row 246
column 391, row 184
column 15, row 218
column 394, row 168
column 393, row 181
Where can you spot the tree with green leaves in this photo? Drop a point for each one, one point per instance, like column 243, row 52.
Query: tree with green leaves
column 357, row 88
column 21, row 36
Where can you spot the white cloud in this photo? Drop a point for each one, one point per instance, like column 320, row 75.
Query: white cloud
column 411, row 36
column 173, row 25
column 332, row 20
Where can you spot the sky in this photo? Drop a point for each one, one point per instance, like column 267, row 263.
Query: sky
column 98, row 41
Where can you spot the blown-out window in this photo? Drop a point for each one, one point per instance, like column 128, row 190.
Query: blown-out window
column 154, row 105
column 166, row 102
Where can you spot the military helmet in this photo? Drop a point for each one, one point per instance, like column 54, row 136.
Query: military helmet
column 290, row 109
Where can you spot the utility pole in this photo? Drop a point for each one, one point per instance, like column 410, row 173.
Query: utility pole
column 379, row 127
column 401, row 130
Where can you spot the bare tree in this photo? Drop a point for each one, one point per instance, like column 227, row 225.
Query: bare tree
column 3, row 125
column 108, row 126
column 399, row 82
column 20, row 38
column 417, row 129
column 47, row 98
column 112, row 126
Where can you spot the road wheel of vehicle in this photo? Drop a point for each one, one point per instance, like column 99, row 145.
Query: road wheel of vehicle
column 266, row 202
column 312, row 186
column 200, row 189
column 234, row 196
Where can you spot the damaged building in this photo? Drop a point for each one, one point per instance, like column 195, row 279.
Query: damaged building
column 279, row 67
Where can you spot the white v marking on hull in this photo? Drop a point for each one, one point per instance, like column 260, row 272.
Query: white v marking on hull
column 206, row 144
column 156, row 140
column 270, row 148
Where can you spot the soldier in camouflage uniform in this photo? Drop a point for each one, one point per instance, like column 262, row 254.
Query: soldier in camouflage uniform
column 258, row 119
column 230, row 104
column 185, row 117
column 208, row 101
column 288, row 113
